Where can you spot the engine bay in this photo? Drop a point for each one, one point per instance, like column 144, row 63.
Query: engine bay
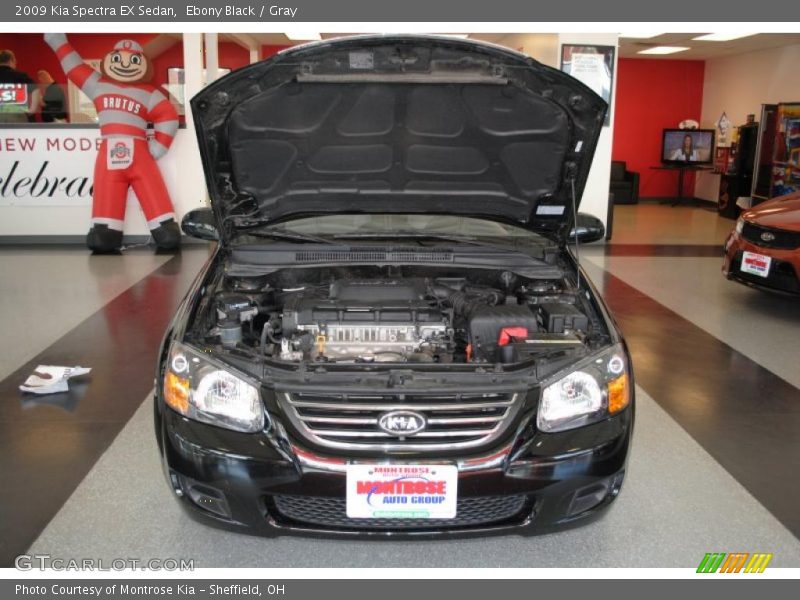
column 399, row 314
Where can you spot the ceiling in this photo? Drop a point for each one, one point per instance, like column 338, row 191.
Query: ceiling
column 628, row 47
column 280, row 39
column 703, row 50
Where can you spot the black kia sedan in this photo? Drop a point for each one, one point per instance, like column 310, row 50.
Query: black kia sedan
column 393, row 336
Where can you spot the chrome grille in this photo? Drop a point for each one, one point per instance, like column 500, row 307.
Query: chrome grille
column 350, row 421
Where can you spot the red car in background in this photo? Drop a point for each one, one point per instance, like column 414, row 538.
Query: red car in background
column 764, row 249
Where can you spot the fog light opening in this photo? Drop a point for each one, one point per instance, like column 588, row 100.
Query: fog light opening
column 616, row 485
column 588, row 498
column 210, row 500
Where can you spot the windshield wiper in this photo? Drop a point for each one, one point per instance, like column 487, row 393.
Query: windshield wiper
column 419, row 235
column 255, row 227
column 290, row 236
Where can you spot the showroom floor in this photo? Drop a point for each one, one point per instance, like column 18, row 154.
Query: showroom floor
column 713, row 468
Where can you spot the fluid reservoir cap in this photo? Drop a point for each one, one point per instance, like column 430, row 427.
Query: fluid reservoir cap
column 233, row 307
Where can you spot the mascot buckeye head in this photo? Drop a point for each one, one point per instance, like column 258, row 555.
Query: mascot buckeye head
column 127, row 63
column 126, row 103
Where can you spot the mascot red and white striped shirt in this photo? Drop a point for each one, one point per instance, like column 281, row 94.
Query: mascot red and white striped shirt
column 124, row 109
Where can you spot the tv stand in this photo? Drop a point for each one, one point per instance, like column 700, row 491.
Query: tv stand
column 681, row 169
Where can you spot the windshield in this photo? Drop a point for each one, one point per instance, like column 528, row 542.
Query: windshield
column 399, row 225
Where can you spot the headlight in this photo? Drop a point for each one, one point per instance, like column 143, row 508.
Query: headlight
column 739, row 225
column 594, row 389
column 199, row 388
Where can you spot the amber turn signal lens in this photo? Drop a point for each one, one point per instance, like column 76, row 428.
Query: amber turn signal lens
column 618, row 396
column 176, row 392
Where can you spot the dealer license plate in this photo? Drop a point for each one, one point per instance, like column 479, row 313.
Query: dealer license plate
column 402, row 491
column 755, row 264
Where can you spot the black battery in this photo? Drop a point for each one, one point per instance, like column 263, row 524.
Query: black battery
column 486, row 323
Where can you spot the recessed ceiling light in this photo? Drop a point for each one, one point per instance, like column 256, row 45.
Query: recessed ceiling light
column 664, row 50
column 303, row 37
column 722, row 37
column 639, row 36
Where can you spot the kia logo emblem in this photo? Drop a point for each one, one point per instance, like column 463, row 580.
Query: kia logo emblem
column 767, row 236
column 401, row 423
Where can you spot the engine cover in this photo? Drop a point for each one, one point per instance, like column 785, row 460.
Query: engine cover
column 371, row 320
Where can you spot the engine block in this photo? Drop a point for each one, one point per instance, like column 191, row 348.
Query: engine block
column 363, row 320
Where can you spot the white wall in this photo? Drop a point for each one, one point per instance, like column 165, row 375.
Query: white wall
column 739, row 85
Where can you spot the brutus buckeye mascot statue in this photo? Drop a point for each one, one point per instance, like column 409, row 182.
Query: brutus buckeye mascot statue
column 125, row 103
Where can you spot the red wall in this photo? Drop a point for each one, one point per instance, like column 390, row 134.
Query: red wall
column 652, row 95
column 269, row 50
column 33, row 54
column 233, row 56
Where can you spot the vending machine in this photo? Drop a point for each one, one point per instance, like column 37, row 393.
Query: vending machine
column 777, row 165
column 786, row 157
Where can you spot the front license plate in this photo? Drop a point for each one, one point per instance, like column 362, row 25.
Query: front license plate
column 402, row 491
column 755, row 264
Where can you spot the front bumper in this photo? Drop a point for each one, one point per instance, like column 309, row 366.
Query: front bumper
column 269, row 484
column 783, row 275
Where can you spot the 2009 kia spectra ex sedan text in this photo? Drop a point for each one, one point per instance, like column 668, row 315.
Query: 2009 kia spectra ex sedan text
column 392, row 336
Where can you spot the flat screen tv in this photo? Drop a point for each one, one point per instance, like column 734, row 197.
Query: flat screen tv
column 693, row 146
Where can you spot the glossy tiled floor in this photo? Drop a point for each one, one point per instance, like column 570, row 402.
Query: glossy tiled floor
column 758, row 324
column 693, row 485
column 48, row 291
column 655, row 223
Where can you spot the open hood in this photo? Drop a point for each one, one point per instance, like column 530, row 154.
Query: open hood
column 402, row 124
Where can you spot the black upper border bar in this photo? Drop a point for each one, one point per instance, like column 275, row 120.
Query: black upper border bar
column 527, row 14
